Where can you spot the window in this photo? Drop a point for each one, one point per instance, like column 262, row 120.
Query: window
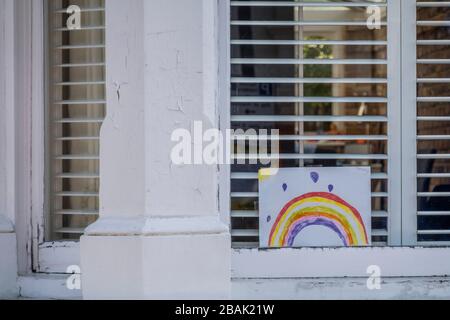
column 316, row 72
column 75, row 111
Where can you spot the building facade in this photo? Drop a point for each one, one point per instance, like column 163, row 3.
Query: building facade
column 93, row 95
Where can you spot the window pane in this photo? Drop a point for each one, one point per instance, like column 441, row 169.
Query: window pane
column 433, row 126
column 319, row 75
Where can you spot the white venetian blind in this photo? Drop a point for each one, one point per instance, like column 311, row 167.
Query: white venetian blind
column 316, row 72
column 433, row 122
column 76, row 109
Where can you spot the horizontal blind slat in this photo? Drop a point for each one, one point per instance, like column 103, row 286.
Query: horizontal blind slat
column 309, row 119
column 301, row 23
column 308, row 80
column 310, row 61
column 310, row 42
column 333, row 4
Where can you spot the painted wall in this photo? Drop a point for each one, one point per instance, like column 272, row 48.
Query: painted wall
column 341, row 288
column 51, row 287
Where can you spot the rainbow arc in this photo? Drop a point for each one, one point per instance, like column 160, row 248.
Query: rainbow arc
column 318, row 209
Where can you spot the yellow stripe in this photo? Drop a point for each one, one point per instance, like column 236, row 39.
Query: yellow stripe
column 265, row 174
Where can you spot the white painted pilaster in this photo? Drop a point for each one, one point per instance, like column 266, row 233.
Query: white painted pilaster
column 159, row 234
column 8, row 242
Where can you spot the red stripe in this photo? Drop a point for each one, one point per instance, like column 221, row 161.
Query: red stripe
column 324, row 195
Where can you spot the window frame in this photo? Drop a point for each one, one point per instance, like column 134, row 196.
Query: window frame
column 53, row 256
column 28, row 131
column 20, row 131
column 409, row 123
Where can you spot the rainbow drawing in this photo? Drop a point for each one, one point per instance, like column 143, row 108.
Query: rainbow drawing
column 318, row 209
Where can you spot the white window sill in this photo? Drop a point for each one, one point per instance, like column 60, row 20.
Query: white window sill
column 340, row 262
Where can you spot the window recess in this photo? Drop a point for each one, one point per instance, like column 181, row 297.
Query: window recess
column 316, row 72
column 75, row 111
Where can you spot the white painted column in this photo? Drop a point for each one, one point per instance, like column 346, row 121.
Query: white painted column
column 159, row 235
column 8, row 244
column 192, row 245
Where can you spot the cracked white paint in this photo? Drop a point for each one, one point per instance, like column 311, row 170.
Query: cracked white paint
column 122, row 134
column 169, row 80
column 118, row 86
column 68, row 254
column 181, row 85
column 340, row 288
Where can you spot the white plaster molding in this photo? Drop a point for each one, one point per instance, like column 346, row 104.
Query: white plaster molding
column 185, row 225
column 157, row 226
column 110, row 226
